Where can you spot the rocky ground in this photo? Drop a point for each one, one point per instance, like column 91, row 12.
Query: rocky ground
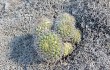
column 18, row 19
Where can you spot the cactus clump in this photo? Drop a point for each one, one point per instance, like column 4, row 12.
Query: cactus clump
column 50, row 44
column 54, row 44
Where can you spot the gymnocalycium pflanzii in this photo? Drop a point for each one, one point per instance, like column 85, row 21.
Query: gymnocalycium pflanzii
column 61, row 40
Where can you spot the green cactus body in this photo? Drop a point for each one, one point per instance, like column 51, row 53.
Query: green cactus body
column 76, row 36
column 65, row 26
column 67, row 18
column 50, row 44
column 64, row 29
column 44, row 24
column 68, row 48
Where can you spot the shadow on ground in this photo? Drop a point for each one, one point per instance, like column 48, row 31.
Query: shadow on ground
column 23, row 50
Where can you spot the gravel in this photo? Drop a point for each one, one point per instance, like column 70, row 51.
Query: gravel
column 18, row 19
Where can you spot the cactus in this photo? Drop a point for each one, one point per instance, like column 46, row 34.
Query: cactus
column 67, row 30
column 68, row 48
column 44, row 24
column 50, row 44
column 66, row 18
column 76, row 36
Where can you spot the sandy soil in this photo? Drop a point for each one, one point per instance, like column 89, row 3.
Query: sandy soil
column 18, row 19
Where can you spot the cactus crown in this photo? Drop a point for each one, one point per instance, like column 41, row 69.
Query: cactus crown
column 44, row 24
column 76, row 36
column 65, row 26
column 68, row 48
column 66, row 18
column 50, row 43
column 64, row 29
